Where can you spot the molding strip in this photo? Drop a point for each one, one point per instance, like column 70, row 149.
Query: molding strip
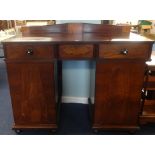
column 71, row 99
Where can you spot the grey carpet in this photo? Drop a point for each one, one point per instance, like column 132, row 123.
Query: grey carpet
column 6, row 118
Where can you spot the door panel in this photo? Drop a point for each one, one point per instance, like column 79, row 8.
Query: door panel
column 118, row 92
column 32, row 92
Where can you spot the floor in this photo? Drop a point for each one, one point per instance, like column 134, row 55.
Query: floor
column 74, row 117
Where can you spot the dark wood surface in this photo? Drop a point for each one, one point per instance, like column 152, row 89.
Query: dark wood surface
column 76, row 28
column 29, row 51
column 77, row 32
column 78, row 38
column 70, row 51
column 114, row 51
column 32, row 92
column 32, row 85
column 118, row 94
column 119, row 77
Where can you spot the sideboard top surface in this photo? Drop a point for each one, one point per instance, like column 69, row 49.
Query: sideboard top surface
column 78, row 38
column 77, row 33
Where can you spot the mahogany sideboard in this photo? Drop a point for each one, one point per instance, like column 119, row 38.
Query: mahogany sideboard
column 34, row 72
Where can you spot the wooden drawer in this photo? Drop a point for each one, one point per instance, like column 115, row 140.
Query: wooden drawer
column 68, row 51
column 124, row 50
column 29, row 51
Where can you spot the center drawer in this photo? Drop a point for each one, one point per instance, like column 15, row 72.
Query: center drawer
column 124, row 50
column 29, row 51
column 68, row 51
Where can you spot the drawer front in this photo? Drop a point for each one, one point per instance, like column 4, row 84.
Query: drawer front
column 124, row 50
column 76, row 51
column 29, row 51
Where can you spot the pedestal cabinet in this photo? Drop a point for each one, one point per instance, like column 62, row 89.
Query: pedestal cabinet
column 119, row 81
column 31, row 76
column 118, row 95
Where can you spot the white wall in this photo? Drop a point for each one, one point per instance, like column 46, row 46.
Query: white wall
column 133, row 22
column 78, row 21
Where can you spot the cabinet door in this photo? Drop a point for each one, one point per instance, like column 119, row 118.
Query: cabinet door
column 32, row 92
column 118, row 93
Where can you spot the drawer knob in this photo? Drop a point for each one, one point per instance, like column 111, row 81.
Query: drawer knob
column 124, row 51
column 29, row 52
